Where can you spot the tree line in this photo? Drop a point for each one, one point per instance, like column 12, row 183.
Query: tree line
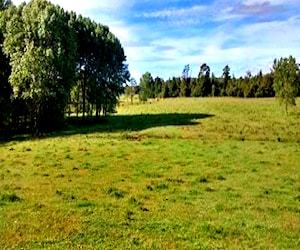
column 52, row 62
column 283, row 82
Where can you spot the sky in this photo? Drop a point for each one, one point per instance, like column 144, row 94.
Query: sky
column 162, row 36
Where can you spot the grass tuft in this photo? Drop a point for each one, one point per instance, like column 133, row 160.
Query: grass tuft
column 10, row 198
column 115, row 193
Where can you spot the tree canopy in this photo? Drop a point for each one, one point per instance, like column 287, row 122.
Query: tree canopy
column 286, row 80
column 57, row 60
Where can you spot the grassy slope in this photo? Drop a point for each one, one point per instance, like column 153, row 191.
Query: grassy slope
column 173, row 174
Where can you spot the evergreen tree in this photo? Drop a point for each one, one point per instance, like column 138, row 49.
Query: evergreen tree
column 204, row 80
column 158, row 82
column 226, row 78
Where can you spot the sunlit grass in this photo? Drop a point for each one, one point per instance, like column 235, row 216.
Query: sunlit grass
column 241, row 119
column 226, row 180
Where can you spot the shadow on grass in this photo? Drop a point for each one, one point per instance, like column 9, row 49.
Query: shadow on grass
column 119, row 123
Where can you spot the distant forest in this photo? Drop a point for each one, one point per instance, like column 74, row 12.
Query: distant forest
column 207, row 84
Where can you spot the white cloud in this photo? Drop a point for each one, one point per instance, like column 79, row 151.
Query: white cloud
column 173, row 12
column 271, row 2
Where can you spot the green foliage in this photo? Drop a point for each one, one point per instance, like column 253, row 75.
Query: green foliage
column 197, row 87
column 202, row 86
column 225, row 80
column 207, row 84
column 286, row 83
column 102, row 71
column 131, row 89
column 146, row 87
column 185, row 88
column 42, row 51
column 5, row 70
column 157, row 87
column 55, row 61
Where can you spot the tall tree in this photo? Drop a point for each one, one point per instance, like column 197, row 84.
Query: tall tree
column 185, row 82
column 174, row 87
column 5, row 70
column 87, row 63
column 226, row 78
column 214, row 85
column 286, row 85
column 247, row 84
column 146, row 85
column 157, row 87
column 42, row 51
column 185, row 89
column 101, row 72
column 131, row 89
column 186, row 72
column 113, row 74
column 204, row 75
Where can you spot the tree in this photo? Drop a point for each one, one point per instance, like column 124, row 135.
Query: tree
column 226, row 78
column 147, row 86
column 185, row 90
column 101, row 71
column 186, row 72
column 53, row 61
column 214, row 85
column 165, row 89
column 204, row 78
column 157, row 87
column 5, row 71
column 130, row 90
column 91, row 39
column 174, row 87
column 267, row 85
column 112, row 72
column 42, row 51
column 247, row 84
column 185, row 82
column 285, row 80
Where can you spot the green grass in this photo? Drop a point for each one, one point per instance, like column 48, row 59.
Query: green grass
column 217, row 173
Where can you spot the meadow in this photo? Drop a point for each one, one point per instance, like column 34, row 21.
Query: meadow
column 185, row 173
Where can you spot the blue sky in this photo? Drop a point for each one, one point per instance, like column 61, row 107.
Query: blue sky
column 162, row 36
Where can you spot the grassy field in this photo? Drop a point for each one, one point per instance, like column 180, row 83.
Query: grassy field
column 207, row 173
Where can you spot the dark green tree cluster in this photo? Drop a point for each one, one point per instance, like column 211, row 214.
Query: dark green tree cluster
column 284, row 80
column 53, row 61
